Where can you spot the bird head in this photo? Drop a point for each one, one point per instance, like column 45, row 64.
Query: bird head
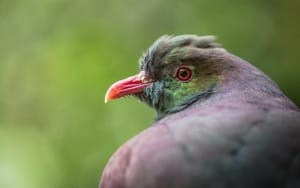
column 174, row 72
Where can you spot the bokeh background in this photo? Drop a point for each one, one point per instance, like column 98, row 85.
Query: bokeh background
column 58, row 57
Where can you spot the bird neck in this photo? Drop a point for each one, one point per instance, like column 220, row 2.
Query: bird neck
column 178, row 100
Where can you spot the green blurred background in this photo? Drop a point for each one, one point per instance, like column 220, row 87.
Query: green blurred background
column 58, row 57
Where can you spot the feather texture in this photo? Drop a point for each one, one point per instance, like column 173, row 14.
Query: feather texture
column 230, row 126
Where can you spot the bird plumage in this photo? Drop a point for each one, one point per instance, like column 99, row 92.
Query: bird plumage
column 228, row 126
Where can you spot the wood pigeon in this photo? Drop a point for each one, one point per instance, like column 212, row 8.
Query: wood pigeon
column 220, row 122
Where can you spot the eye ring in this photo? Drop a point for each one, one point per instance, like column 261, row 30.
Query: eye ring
column 184, row 74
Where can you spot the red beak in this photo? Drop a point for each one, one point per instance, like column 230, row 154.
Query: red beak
column 131, row 85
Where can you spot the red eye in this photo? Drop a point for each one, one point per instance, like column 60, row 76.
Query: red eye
column 183, row 74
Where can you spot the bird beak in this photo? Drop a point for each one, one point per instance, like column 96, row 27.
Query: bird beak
column 130, row 85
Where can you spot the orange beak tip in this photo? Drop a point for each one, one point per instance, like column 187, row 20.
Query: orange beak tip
column 109, row 94
column 105, row 100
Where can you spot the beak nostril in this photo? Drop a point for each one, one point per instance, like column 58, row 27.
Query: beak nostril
column 145, row 79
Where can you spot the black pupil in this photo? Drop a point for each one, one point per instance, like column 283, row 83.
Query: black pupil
column 183, row 73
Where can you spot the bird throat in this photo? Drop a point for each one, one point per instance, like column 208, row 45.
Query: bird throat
column 172, row 96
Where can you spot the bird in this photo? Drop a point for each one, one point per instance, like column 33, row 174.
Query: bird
column 220, row 122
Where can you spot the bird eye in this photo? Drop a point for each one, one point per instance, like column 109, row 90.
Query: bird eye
column 183, row 74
